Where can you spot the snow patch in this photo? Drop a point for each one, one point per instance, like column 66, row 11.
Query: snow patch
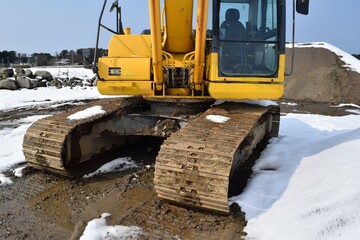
column 289, row 103
column 67, row 72
column 347, row 105
column 305, row 183
column 217, row 118
column 116, row 165
column 264, row 103
column 97, row 229
column 11, row 144
column 18, row 171
column 46, row 96
column 87, row 113
column 354, row 111
column 4, row 180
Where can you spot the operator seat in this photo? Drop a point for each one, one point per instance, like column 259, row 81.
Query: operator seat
column 232, row 53
column 234, row 29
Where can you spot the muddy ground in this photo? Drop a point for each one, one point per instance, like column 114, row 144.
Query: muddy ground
column 44, row 206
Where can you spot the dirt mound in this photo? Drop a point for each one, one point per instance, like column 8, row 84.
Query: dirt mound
column 319, row 76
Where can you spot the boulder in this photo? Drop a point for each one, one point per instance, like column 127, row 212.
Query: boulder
column 29, row 73
column 44, row 74
column 19, row 70
column 42, row 82
column 56, row 83
column 8, row 73
column 2, row 72
column 26, row 82
column 8, row 83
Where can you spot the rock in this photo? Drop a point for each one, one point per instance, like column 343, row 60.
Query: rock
column 19, row 70
column 8, row 73
column 26, row 82
column 2, row 72
column 19, row 75
column 29, row 73
column 44, row 74
column 9, row 83
column 56, row 83
column 42, row 82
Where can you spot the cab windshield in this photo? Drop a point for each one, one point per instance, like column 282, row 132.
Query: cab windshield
column 248, row 38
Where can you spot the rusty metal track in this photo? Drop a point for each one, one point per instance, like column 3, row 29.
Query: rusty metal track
column 57, row 144
column 194, row 164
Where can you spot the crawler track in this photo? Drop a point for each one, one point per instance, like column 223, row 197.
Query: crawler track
column 59, row 145
column 194, row 164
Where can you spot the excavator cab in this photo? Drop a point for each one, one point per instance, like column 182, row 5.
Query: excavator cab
column 248, row 48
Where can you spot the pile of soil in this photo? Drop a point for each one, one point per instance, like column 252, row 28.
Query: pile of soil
column 319, row 76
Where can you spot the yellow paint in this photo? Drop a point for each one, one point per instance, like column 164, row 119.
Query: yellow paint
column 202, row 15
column 242, row 91
column 130, row 46
column 244, row 87
column 178, row 15
column 156, row 47
column 131, row 68
column 127, row 31
column 125, row 87
column 212, row 72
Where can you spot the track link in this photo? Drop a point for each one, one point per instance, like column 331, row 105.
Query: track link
column 59, row 145
column 194, row 164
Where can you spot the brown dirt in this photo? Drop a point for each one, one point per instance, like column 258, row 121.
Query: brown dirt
column 319, row 76
column 40, row 206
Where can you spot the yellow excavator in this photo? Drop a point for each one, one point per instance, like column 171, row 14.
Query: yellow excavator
column 185, row 87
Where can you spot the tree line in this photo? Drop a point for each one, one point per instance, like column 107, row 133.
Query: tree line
column 82, row 56
column 357, row 56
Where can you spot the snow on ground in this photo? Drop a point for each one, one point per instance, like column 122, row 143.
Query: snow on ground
column 11, row 145
column 67, row 72
column 351, row 62
column 49, row 95
column 97, row 229
column 289, row 103
column 306, row 183
column 116, row 165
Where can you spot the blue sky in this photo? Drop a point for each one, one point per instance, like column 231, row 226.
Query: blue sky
column 51, row 26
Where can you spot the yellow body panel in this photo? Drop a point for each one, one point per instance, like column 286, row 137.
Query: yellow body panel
column 130, row 46
column 125, row 87
column 212, row 72
column 179, row 37
column 130, row 68
column 243, row 91
column 244, row 87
